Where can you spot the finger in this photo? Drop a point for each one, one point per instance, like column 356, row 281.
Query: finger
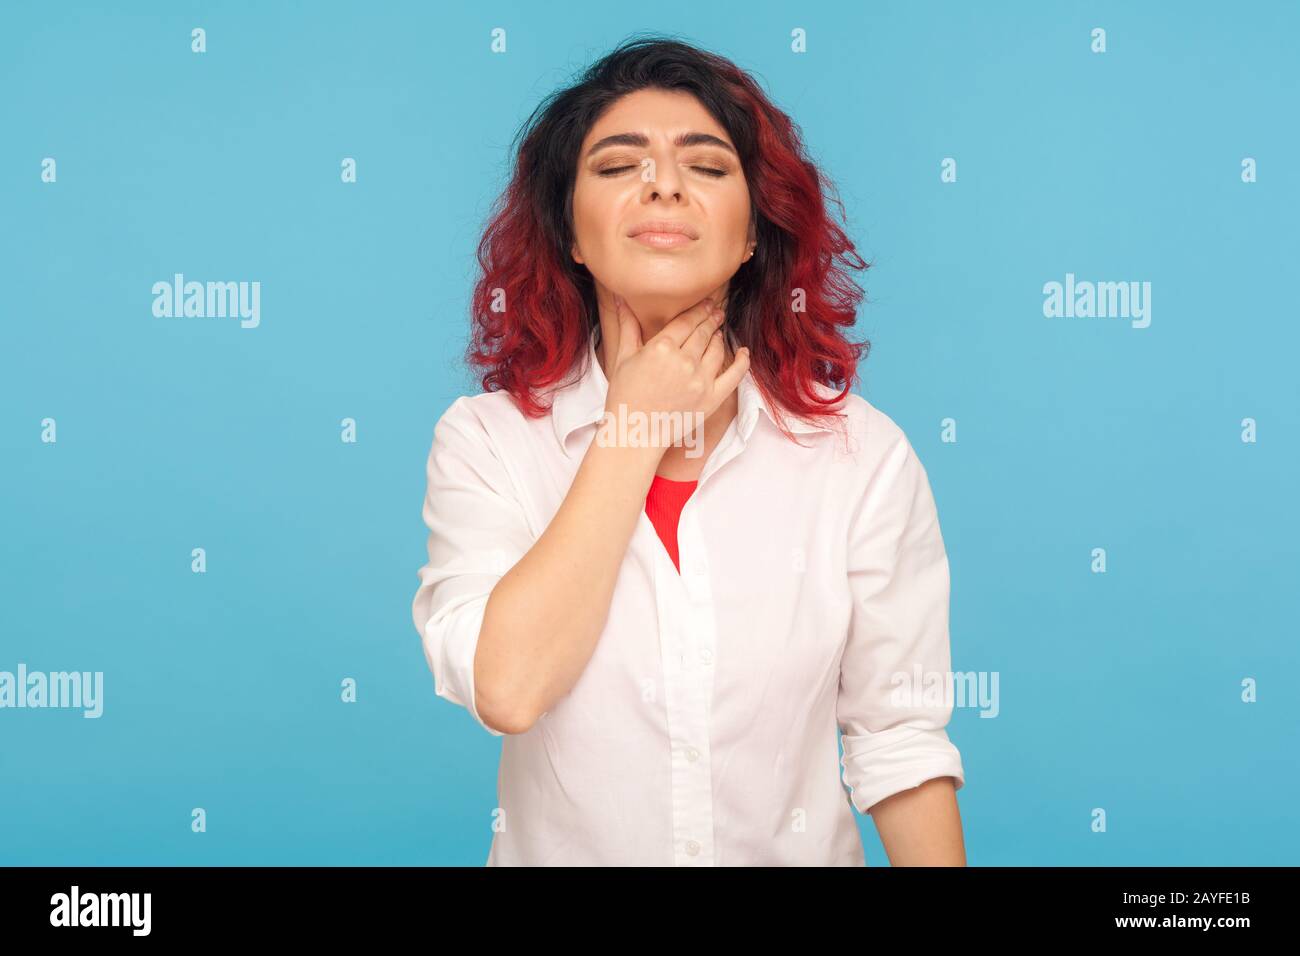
column 704, row 333
column 727, row 382
column 680, row 327
column 714, row 355
column 629, row 330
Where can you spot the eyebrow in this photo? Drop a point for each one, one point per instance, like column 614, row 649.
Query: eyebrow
column 683, row 140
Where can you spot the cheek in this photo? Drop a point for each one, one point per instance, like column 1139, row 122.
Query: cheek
column 584, row 217
column 727, row 213
column 735, row 211
column 596, row 214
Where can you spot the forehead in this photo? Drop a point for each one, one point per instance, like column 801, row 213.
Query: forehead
column 655, row 113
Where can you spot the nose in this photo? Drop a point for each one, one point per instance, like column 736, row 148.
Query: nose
column 667, row 182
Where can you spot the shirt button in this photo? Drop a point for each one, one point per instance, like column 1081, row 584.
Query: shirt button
column 692, row 754
column 692, row 848
column 706, row 655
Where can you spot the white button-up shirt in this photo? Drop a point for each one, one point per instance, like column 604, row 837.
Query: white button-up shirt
column 813, row 597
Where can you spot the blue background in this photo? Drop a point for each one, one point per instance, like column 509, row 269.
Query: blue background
column 1118, row 690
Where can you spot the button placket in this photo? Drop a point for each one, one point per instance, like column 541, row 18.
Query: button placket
column 696, row 600
column 686, row 708
column 703, row 622
column 687, row 641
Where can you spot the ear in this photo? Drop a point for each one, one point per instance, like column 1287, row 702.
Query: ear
column 577, row 256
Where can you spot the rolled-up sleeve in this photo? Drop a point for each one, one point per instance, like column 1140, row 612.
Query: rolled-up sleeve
column 477, row 532
column 893, row 705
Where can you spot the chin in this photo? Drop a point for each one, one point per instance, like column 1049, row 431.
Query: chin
column 678, row 295
column 669, row 280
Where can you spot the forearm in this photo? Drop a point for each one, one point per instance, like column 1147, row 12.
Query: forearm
column 921, row 826
column 545, row 616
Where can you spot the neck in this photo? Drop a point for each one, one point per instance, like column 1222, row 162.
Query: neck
column 675, row 464
column 609, row 342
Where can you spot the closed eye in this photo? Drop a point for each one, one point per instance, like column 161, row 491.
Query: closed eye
column 707, row 170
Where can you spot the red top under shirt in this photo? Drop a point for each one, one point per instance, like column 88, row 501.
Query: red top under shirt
column 664, row 506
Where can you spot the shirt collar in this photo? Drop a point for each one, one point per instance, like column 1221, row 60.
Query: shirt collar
column 582, row 402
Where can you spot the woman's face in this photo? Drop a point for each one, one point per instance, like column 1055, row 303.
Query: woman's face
column 659, row 155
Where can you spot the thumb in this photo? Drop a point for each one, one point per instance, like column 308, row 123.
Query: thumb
column 629, row 330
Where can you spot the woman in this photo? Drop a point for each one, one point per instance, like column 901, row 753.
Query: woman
column 667, row 626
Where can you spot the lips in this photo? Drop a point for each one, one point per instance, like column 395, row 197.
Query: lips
column 666, row 227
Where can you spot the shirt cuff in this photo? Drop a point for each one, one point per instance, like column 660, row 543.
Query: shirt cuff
column 880, row 765
column 450, row 640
